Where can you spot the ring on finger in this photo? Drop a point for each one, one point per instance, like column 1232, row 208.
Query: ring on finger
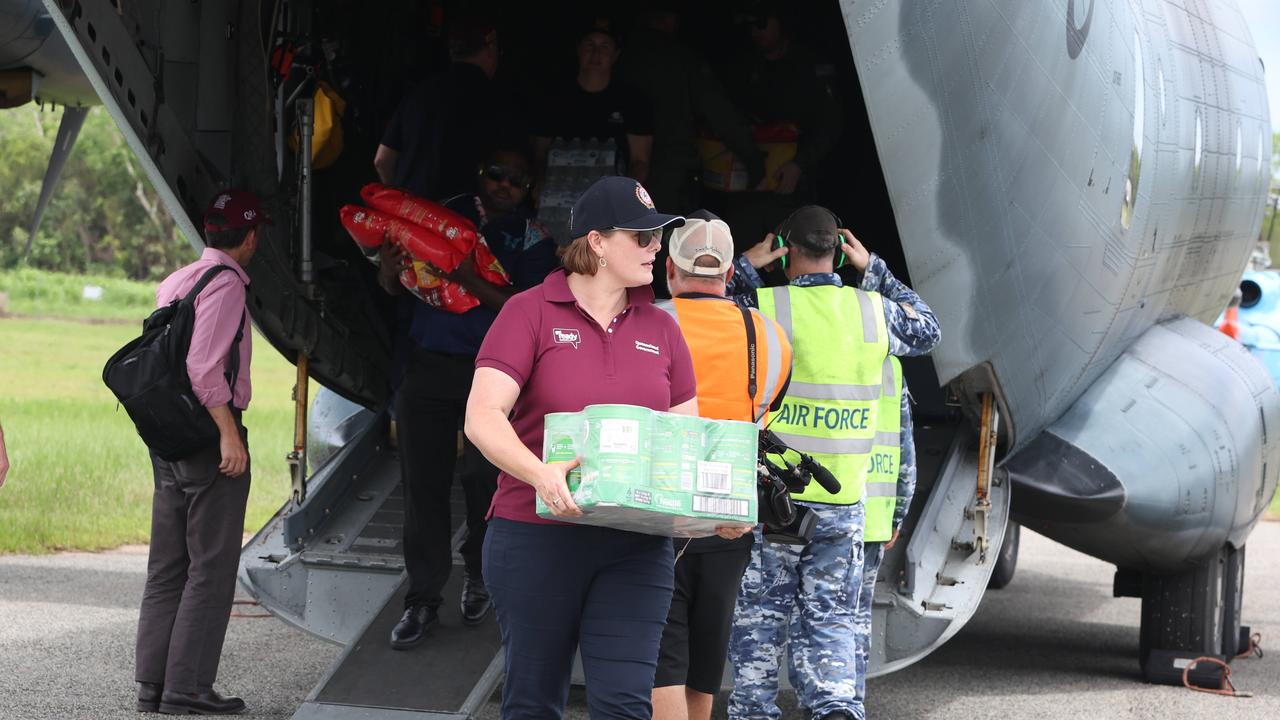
column 555, row 501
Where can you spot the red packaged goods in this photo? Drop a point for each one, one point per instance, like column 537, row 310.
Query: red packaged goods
column 460, row 231
column 487, row 266
column 367, row 230
column 435, row 292
column 370, row 228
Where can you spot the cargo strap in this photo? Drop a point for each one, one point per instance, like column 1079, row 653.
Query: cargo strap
column 751, row 363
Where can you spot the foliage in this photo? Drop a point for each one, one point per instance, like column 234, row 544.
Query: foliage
column 1267, row 233
column 41, row 293
column 1275, row 159
column 104, row 216
column 81, row 478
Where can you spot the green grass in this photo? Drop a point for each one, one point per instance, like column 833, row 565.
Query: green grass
column 40, row 293
column 80, row 476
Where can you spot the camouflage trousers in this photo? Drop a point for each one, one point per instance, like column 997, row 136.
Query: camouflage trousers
column 800, row 600
column 872, row 554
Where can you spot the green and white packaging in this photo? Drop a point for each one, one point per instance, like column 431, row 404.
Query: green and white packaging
column 655, row 472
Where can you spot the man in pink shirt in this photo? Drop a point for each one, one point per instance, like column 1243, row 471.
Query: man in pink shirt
column 197, row 512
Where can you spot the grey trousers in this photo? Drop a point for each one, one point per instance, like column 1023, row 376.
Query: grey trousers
column 197, row 526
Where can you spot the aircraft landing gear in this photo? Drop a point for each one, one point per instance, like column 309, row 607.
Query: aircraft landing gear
column 1193, row 614
column 1007, row 559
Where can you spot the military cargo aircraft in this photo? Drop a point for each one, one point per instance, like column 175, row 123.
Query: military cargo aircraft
column 1074, row 185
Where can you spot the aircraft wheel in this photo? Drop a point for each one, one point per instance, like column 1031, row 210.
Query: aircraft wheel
column 1007, row 559
column 1190, row 614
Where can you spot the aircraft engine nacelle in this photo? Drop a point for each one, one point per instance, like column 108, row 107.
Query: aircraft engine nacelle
column 1184, row 463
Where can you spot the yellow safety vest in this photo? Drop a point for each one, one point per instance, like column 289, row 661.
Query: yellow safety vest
column 882, row 469
column 839, row 340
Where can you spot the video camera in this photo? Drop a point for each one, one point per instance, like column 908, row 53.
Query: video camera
column 783, row 520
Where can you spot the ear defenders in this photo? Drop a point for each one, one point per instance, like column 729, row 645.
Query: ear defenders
column 784, row 229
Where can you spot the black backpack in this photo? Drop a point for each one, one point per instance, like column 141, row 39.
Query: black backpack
column 149, row 378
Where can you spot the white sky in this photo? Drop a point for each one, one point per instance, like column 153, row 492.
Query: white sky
column 1263, row 17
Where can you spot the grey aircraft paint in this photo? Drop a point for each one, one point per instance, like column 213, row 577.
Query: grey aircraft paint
column 1071, row 204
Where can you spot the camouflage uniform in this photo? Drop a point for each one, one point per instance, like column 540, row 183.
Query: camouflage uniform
column 810, row 593
column 873, row 552
column 803, row 596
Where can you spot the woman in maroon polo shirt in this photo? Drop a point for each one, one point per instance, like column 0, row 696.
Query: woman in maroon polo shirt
column 588, row 335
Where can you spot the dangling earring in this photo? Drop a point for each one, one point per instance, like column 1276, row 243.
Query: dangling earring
column 602, row 262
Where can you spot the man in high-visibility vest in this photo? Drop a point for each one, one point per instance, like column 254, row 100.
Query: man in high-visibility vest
column 805, row 597
column 891, row 482
column 742, row 362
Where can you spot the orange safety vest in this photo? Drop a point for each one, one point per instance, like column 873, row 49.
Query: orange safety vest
column 716, row 332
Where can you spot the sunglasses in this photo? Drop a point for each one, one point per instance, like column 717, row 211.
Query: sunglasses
column 498, row 174
column 644, row 238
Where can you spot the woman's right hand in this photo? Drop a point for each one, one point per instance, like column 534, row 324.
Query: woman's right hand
column 552, row 485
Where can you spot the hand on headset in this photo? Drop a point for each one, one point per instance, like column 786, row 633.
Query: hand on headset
column 857, row 255
column 764, row 252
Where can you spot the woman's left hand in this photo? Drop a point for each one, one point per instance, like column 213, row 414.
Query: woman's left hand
column 732, row 532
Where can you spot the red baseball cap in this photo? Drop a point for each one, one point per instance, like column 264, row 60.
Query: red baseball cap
column 236, row 209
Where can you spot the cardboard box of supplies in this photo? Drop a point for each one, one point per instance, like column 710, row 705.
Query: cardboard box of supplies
column 655, row 472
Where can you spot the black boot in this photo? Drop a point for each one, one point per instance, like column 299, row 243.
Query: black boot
column 413, row 626
column 149, row 696
column 206, row 703
column 475, row 599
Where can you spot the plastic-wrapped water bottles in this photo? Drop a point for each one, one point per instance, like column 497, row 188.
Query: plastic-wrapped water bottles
column 609, row 157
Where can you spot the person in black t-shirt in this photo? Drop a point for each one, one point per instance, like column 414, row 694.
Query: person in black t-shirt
column 441, row 349
column 596, row 105
column 446, row 125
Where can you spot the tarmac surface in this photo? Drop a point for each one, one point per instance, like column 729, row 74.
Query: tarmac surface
column 1054, row 644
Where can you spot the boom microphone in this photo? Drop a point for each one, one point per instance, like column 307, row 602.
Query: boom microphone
column 821, row 474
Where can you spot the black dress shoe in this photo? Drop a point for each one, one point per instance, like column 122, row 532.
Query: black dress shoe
column 475, row 600
column 413, row 626
column 208, row 703
column 149, row 696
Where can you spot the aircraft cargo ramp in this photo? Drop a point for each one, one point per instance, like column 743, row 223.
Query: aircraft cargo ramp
column 333, row 566
column 450, row 675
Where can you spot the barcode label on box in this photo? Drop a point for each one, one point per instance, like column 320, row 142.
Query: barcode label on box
column 721, row 506
column 715, row 477
column 620, row 436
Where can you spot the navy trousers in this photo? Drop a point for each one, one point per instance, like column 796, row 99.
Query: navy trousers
column 557, row 588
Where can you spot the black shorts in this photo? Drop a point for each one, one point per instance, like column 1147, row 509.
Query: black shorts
column 696, row 638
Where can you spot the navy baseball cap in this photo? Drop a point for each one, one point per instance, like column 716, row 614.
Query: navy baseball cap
column 232, row 210
column 616, row 203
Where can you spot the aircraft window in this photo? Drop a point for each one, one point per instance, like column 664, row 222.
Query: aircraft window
column 1160, row 80
column 1139, row 122
column 1239, row 148
column 1199, row 141
column 1261, row 144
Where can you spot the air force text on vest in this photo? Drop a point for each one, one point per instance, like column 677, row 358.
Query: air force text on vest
column 798, row 414
column 817, row 416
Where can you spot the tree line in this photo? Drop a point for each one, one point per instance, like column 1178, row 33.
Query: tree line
column 104, row 217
